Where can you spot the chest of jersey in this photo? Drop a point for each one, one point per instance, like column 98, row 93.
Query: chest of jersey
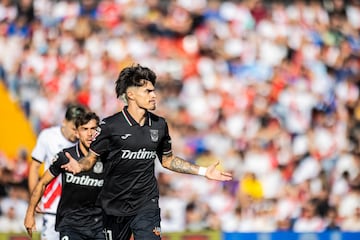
column 133, row 149
column 136, row 139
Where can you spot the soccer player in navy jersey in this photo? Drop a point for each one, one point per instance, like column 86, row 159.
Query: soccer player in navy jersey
column 131, row 140
column 49, row 142
column 77, row 216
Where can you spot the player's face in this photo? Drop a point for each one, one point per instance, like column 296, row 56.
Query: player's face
column 145, row 96
column 69, row 130
column 86, row 132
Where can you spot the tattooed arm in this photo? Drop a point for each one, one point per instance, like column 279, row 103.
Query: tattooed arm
column 180, row 165
column 29, row 221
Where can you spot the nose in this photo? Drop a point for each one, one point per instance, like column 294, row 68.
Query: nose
column 90, row 132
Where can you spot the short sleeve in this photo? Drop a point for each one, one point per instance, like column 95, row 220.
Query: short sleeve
column 56, row 163
column 39, row 151
column 101, row 140
column 165, row 147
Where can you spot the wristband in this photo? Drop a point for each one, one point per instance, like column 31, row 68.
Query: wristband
column 202, row 171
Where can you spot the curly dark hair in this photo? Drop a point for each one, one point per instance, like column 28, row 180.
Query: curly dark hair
column 135, row 75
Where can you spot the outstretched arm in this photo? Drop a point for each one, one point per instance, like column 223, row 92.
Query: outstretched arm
column 84, row 164
column 180, row 165
column 29, row 221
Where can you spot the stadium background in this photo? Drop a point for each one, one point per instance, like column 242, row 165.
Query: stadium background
column 271, row 88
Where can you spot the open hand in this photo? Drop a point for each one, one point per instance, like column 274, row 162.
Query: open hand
column 215, row 174
column 72, row 166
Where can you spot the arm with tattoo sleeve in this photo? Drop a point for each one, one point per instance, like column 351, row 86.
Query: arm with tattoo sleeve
column 180, row 165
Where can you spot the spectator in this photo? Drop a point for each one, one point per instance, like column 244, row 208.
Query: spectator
column 309, row 220
column 9, row 222
column 352, row 223
column 332, row 220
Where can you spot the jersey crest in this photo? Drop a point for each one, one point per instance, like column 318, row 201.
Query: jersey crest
column 98, row 167
column 154, row 134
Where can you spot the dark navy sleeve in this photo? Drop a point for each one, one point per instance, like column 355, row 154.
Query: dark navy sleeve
column 165, row 144
column 58, row 160
column 100, row 142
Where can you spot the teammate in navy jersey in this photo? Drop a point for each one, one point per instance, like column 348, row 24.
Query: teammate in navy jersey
column 129, row 142
column 49, row 142
column 77, row 217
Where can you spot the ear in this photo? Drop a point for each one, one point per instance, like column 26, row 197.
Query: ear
column 130, row 94
column 63, row 122
column 77, row 134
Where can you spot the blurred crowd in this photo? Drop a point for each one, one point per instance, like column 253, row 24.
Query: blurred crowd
column 269, row 88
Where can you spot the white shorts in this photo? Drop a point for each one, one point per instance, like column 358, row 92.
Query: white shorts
column 48, row 228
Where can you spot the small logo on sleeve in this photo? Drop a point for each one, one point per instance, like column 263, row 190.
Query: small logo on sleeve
column 55, row 158
column 97, row 133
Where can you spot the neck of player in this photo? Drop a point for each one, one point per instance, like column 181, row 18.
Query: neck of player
column 137, row 113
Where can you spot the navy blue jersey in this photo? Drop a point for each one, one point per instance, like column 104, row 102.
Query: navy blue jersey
column 77, row 207
column 130, row 151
